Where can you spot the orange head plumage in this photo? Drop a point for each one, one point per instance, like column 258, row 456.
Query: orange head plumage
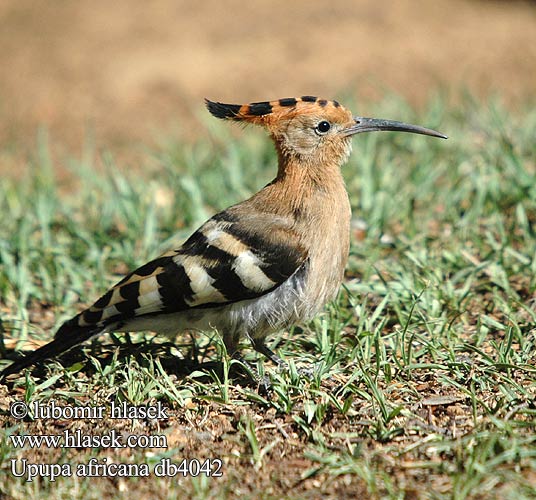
column 304, row 128
column 309, row 129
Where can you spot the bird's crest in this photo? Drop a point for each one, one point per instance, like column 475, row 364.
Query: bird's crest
column 268, row 113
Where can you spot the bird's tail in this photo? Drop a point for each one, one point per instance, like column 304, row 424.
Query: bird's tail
column 69, row 335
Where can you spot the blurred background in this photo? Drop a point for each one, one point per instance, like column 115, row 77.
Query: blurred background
column 126, row 71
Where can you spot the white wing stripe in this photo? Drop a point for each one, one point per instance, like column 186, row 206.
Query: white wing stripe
column 148, row 286
column 201, row 284
column 247, row 268
column 109, row 312
column 151, row 299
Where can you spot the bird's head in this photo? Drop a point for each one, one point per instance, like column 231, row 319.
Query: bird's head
column 310, row 129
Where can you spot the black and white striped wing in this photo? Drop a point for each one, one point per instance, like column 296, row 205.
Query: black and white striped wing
column 229, row 259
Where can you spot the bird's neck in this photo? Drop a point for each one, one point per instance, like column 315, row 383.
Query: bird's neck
column 314, row 201
column 308, row 189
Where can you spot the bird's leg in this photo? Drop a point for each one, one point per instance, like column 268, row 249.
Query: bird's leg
column 260, row 346
column 231, row 344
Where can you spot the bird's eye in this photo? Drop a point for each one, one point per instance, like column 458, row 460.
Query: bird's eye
column 323, row 127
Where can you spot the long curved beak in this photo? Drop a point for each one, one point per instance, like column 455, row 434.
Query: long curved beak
column 377, row 124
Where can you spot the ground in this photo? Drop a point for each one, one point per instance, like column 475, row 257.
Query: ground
column 424, row 378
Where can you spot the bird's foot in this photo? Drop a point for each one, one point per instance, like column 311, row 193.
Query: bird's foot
column 263, row 382
column 306, row 371
column 282, row 366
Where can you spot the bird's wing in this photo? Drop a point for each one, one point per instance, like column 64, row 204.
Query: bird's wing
column 229, row 259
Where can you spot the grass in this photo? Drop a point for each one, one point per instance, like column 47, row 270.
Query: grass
column 424, row 376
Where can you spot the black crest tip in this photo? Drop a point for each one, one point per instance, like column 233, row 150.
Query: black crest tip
column 223, row 111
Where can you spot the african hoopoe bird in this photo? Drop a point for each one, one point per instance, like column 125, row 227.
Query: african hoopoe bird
column 258, row 266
